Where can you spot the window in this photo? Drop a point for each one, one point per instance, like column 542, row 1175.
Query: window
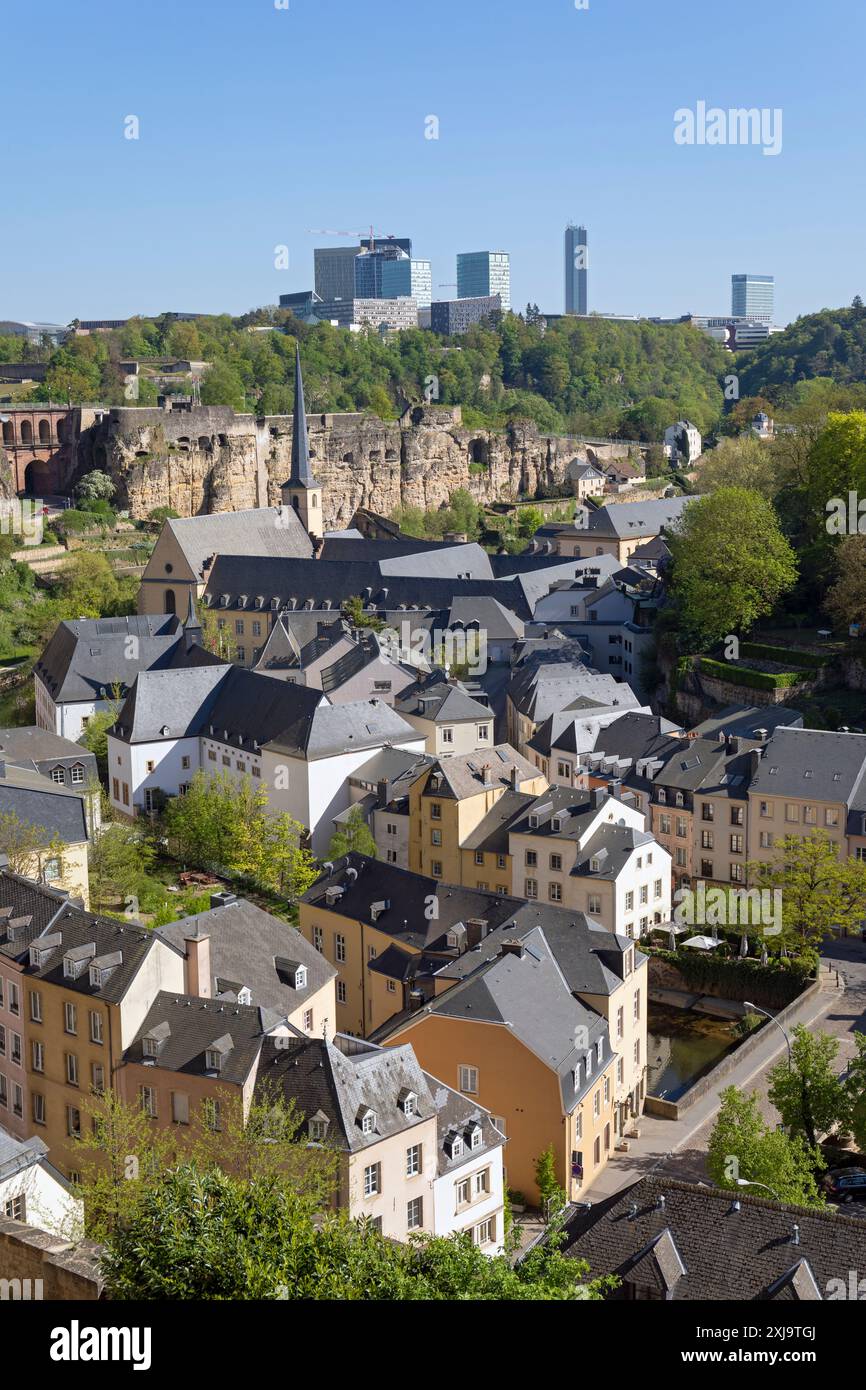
column 607, row 1090
column 531, row 859
column 436, row 868
column 14, row 1000
column 339, row 948
column 637, row 1052
column 501, row 861
column 554, row 892
column 4, row 1092
column 77, row 774
column 468, row 1080
column 482, row 1182
column 682, row 829
column 38, row 1054
column 436, row 840
column 35, row 1006
column 593, row 903
column 14, row 1208
column 479, row 854
column 766, row 839
column 151, row 798
column 212, row 1059
column 180, row 1108
column 71, row 1069
column 738, row 873
column 737, row 815
column 435, row 810
column 665, row 825
column 319, row 939
column 308, row 1020
column 637, row 1004
column 213, row 1115
column 620, row 1071
column 52, row 870
column 620, row 1019
column 184, row 762
column 706, row 839
column 150, row 766
column 38, row 1109
column 58, row 775
column 97, row 1078
column 530, row 888
column 341, row 991
column 257, row 628
column 392, row 988
column 413, row 1161
column 415, row 1213
column 73, row 1121
column 708, row 811
column 810, row 815
column 644, row 895
column 556, row 863
column 765, row 808
column 148, row 1100
column 211, row 753
column 464, row 1192
column 657, row 888
column 483, row 732
column 680, row 858
column 831, row 818
column 70, row 1018
column 373, row 1180
column 447, row 735
column 792, row 811
column 737, row 843
column 95, row 1027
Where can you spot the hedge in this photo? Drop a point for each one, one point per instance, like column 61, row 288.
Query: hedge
column 743, row 675
column 780, row 981
column 809, row 660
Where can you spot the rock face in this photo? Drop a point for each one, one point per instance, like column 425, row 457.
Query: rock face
column 208, row 459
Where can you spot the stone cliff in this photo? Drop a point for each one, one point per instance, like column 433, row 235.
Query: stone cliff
column 208, row 459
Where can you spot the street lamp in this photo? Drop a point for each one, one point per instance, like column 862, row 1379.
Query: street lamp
column 747, row 1182
column 773, row 1019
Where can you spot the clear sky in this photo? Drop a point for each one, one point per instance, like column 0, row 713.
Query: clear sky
column 258, row 122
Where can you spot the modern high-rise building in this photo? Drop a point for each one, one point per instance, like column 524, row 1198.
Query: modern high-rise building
column 452, row 316
column 484, row 273
column 576, row 263
column 406, row 276
column 334, row 268
column 752, row 297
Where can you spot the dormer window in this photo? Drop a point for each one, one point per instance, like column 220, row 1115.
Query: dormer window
column 317, row 1127
column 599, row 1049
column 149, row 1047
column 594, row 865
column 680, row 801
column 213, row 1059
column 474, row 1136
column 76, row 960
column 301, row 977
column 588, row 1064
column 663, row 796
column 245, row 995
column 454, row 1146
column 408, row 1102
column 368, row 1121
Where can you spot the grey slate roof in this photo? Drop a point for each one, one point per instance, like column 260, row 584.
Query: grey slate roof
column 78, row 929
column 528, row 994
column 245, row 944
column 467, row 774
column 341, row 1079
column 37, row 801
column 272, row 531
column 456, row 1114
column 813, row 763
column 441, row 703
column 34, row 906
column 86, row 657
column 492, row 618
column 621, row 520
column 743, row 721
column 186, row 1026
column 491, row 833
column 40, row 749
column 720, row 1246
column 408, row 896
column 334, row 729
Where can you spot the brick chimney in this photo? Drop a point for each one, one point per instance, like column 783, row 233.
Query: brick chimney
column 197, row 975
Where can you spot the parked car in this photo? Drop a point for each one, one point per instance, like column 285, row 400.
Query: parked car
column 846, row 1184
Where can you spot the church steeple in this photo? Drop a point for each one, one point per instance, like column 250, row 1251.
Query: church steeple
column 301, row 490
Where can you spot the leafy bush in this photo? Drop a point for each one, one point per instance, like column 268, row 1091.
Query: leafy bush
column 743, row 675
column 763, row 652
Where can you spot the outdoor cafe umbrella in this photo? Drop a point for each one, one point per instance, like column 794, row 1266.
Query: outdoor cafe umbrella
column 744, row 946
column 764, row 954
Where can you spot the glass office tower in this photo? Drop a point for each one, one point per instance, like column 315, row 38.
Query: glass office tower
column 752, row 297
column 576, row 263
column 482, row 273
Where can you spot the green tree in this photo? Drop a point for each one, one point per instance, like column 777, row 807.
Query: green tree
column 820, row 891
column 95, row 735
column 120, row 856
column 223, row 386
column 212, row 1236
column 354, row 836
column 528, row 521
column 744, row 462
column 855, row 1094
column 731, row 564
column 553, row 1196
column 807, row 1092
column 28, row 848
column 95, row 486
column 846, row 600
column 744, row 1145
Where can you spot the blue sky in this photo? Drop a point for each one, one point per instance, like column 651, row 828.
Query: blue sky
column 257, row 123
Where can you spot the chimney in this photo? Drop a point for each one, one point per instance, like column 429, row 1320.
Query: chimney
column 597, row 797
column 222, row 898
column 733, row 743
column 197, row 968
column 755, row 755
column 515, row 779
column 512, row 947
column 615, row 788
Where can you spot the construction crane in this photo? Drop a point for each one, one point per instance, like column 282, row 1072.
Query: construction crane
column 371, row 235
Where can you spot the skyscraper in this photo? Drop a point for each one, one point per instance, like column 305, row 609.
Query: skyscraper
column 484, row 273
column 576, row 264
column 752, row 297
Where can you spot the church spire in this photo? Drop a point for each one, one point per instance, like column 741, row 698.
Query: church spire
column 302, row 473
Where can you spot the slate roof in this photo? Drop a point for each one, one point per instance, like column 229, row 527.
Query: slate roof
column 720, row 1245
column 296, row 584
column 252, row 532
column 408, row 896
column 87, row 656
column 107, row 936
column 466, row 774
column 744, row 720
column 245, row 944
column 187, row 1026
column 33, row 906
column 528, row 994
column 814, row 763
column 333, row 729
column 341, row 1079
column 30, row 746
column 441, row 703
column 39, row 802
column 468, row 558
column 621, row 520
column 492, row 618
column 545, row 684
column 491, row 833
column 456, row 1114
